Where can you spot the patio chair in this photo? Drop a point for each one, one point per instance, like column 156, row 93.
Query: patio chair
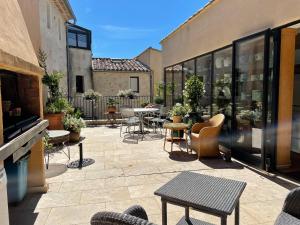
column 290, row 214
column 135, row 215
column 159, row 119
column 129, row 120
column 204, row 137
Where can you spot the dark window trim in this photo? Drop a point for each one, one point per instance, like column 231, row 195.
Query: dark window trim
column 138, row 83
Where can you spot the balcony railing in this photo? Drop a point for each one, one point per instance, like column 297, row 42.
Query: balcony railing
column 96, row 109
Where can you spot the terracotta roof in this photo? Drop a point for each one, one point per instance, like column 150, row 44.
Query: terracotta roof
column 107, row 64
column 190, row 19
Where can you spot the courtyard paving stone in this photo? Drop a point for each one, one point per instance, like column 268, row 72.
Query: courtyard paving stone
column 126, row 173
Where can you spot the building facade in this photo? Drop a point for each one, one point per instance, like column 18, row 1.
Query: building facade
column 112, row 75
column 79, row 57
column 53, row 18
column 249, row 70
column 153, row 59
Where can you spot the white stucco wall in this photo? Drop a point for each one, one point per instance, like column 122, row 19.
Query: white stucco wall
column 223, row 22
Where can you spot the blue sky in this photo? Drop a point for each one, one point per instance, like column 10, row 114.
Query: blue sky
column 124, row 28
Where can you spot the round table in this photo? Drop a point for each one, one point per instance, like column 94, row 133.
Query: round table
column 58, row 137
column 175, row 127
column 141, row 112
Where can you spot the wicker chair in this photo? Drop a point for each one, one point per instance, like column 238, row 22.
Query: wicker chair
column 290, row 214
column 204, row 137
column 135, row 215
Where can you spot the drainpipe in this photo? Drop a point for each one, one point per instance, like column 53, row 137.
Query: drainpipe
column 151, row 86
column 68, row 62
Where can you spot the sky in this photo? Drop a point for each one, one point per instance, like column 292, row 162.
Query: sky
column 125, row 28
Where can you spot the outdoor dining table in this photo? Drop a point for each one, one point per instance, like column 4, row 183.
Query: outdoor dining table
column 212, row 195
column 141, row 112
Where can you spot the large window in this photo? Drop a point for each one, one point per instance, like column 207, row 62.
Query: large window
column 79, row 37
column 135, row 84
column 79, row 84
column 203, row 70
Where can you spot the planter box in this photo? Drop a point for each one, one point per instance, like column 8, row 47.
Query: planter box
column 55, row 121
column 74, row 136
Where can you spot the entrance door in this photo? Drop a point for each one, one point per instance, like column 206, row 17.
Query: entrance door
column 251, row 74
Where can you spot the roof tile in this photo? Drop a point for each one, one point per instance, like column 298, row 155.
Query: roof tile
column 108, row 64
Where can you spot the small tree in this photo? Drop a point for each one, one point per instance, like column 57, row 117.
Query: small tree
column 193, row 92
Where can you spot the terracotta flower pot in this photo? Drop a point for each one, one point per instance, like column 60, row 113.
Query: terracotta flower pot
column 177, row 119
column 55, row 121
column 74, row 136
column 111, row 109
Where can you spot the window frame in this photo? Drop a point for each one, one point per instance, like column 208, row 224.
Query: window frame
column 138, row 83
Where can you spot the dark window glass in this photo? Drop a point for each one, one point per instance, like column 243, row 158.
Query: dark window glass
column 72, row 39
column 82, row 40
column 79, row 84
column 134, row 84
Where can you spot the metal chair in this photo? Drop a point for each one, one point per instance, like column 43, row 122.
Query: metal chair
column 159, row 120
column 129, row 120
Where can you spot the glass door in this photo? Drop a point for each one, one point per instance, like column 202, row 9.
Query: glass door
column 222, row 87
column 249, row 96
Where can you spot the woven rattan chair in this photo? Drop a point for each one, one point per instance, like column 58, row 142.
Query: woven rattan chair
column 135, row 215
column 290, row 214
column 204, row 137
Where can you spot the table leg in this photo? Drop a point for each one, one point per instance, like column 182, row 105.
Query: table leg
column 165, row 139
column 224, row 220
column 172, row 141
column 237, row 214
column 187, row 213
column 164, row 212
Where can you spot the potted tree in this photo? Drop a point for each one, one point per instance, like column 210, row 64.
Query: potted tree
column 56, row 104
column 193, row 93
column 73, row 124
column 111, row 105
column 178, row 112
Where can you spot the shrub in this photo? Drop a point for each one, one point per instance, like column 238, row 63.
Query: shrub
column 158, row 100
column 58, row 105
column 112, row 102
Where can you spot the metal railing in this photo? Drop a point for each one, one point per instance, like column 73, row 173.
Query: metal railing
column 96, row 109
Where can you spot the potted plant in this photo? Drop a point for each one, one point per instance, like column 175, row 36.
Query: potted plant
column 111, row 105
column 130, row 94
column 73, row 124
column 92, row 95
column 121, row 94
column 56, row 104
column 177, row 112
column 193, row 93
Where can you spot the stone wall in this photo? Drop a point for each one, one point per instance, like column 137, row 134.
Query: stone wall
column 109, row 83
column 80, row 64
column 53, row 40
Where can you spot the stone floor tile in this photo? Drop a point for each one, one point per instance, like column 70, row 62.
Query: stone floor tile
column 73, row 214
